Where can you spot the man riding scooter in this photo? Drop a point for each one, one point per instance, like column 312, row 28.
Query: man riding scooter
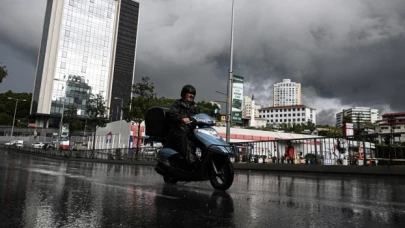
column 181, row 137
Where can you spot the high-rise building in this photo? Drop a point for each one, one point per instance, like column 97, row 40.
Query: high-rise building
column 357, row 114
column 87, row 47
column 248, row 106
column 287, row 93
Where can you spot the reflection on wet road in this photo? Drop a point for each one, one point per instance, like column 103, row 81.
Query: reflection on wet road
column 40, row 192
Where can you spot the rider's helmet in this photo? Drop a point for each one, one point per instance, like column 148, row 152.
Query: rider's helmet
column 187, row 89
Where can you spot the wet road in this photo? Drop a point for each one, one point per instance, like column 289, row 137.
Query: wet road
column 40, row 192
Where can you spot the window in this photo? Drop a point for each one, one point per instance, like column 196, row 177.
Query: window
column 65, row 43
column 63, row 65
column 71, row 2
column 105, row 53
column 108, row 15
column 92, row 1
column 88, row 29
column 68, row 23
column 303, row 119
column 67, row 33
column 64, row 54
column 86, row 49
column 84, row 69
column 85, row 59
column 87, row 38
column 104, row 63
column 91, row 9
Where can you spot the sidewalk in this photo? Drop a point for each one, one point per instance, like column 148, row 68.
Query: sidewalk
column 335, row 169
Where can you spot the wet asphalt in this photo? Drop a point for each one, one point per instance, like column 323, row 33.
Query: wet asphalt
column 41, row 192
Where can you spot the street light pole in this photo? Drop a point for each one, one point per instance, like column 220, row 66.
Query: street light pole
column 15, row 112
column 230, row 78
column 122, row 106
column 61, row 119
column 63, row 107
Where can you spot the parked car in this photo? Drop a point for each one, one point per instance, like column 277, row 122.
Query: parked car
column 49, row 146
column 38, row 145
column 11, row 143
column 19, row 145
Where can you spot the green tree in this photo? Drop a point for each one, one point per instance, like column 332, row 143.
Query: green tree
column 7, row 105
column 163, row 102
column 208, row 108
column 70, row 118
column 5, row 119
column 347, row 119
column 97, row 114
column 3, row 72
column 144, row 98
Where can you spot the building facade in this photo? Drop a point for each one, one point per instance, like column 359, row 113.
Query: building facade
column 287, row 93
column 299, row 114
column 88, row 47
column 358, row 114
column 248, row 104
column 391, row 123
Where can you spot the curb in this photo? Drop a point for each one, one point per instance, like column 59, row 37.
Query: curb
column 301, row 168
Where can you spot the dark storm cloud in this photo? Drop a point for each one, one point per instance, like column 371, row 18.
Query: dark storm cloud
column 345, row 53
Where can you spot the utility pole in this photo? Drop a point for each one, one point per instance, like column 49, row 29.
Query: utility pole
column 15, row 111
column 230, row 79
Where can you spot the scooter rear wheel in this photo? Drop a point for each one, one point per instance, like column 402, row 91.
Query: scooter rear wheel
column 169, row 180
column 224, row 179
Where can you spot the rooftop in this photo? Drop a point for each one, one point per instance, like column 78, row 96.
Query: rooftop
column 289, row 106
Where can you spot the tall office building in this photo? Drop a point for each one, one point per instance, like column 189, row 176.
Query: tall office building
column 358, row 114
column 88, row 47
column 287, row 93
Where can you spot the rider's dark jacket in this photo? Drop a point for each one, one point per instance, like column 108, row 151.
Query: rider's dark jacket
column 179, row 110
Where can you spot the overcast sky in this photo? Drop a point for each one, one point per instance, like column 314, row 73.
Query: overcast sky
column 344, row 52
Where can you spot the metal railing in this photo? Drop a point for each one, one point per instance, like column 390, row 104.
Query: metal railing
column 376, row 149
column 130, row 154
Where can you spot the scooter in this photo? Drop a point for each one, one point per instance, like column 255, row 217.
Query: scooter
column 213, row 164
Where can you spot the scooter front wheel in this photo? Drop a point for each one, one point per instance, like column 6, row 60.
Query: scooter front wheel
column 221, row 175
column 169, row 180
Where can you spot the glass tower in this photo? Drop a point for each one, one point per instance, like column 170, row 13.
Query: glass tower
column 78, row 55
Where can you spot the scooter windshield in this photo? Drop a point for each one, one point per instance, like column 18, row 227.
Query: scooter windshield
column 203, row 119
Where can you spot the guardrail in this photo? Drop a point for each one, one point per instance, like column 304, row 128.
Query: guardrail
column 144, row 154
column 377, row 149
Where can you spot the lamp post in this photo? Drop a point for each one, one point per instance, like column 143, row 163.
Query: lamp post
column 63, row 108
column 15, row 111
column 122, row 105
column 230, row 78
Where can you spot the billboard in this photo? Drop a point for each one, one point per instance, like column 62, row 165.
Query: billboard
column 237, row 99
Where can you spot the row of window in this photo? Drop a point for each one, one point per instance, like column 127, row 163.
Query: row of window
column 285, row 110
column 395, row 127
column 286, row 120
column 281, row 115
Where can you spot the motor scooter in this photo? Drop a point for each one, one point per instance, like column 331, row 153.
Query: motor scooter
column 213, row 164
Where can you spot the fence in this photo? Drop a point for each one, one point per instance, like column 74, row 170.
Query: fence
column 144, row 154
column 378, row 149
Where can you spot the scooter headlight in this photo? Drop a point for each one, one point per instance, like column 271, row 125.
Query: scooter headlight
column 210, row 132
